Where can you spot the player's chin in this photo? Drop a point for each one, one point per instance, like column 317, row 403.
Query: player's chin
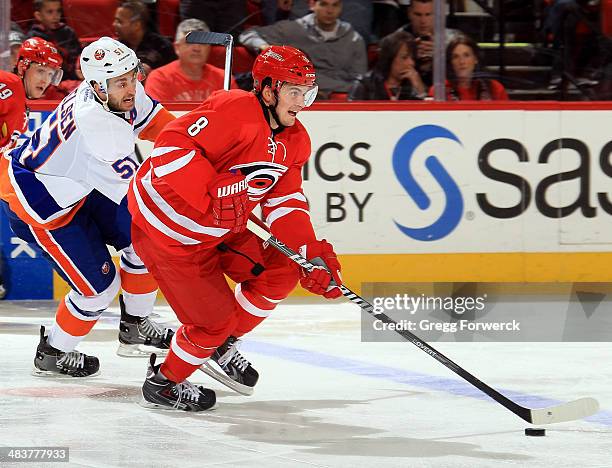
column 289, row 119
column 37, row 92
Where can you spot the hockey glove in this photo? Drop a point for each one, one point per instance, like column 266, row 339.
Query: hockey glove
column 229, row 201
column 325, row 278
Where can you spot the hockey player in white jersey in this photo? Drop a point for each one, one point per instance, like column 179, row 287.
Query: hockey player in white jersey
column 64, row 190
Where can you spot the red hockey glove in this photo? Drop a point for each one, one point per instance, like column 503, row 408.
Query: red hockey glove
column 229, row 201
column 321, row 254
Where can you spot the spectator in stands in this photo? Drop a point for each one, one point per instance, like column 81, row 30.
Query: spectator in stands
column 189, row 78
column 388, row 16
column 16, row 38
column 336, row 49
column 274, row 10
column 219, row 15
column 153, row 50
column 358, row 13
column 394, row 77
column 465, row 82
column 579, row 45
column 48, row 26
column 421, row 26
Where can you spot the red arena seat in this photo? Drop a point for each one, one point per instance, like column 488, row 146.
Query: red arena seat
column 243, row 59
column 168, row 17
column 91, row 18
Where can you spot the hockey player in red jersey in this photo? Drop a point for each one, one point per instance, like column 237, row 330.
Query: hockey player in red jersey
column 39, row 64
column 190, row 202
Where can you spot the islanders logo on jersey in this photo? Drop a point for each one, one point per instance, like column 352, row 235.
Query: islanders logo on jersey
column 260, row 177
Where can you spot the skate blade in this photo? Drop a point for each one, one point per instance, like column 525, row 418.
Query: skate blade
column 157, row 407
column 36, row 372
column 222, row 378
column 139, row 351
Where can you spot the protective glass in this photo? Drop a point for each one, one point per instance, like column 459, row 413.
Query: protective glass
column 297, row 93
column 44, row 72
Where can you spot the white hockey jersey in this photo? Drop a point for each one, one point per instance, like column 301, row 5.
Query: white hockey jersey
column 79, row 148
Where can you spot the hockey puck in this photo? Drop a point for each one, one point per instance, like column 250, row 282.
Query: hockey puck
column 535, row 432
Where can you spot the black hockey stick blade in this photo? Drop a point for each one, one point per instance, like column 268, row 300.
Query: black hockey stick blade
column 212, row 38
column 570, row 411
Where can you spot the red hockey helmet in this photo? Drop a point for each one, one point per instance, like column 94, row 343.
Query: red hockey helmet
column 284, row 64
column 37, row 50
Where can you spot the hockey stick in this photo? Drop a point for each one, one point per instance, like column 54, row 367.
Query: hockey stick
column 215, row 38
column 576, row 409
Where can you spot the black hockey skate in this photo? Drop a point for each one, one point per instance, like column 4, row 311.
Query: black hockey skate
column 159, row 392
column 52, row 361
column 236, row 372
column 140, row 336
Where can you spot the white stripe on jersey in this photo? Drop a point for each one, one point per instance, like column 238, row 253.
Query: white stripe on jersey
column 183, row 221
column 160, row 151
column 278, row 200
column 156, row 223
column 175, row 165
column 280, row 212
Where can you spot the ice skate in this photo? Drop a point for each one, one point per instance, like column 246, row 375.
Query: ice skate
column 161, row 393
column 141, row 336
column 50, row 361
column 229, row 367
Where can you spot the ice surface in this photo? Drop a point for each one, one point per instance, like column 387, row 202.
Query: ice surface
column 324, row 399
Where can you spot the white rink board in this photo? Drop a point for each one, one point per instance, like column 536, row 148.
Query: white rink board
column 372, row 136
column 476, row 231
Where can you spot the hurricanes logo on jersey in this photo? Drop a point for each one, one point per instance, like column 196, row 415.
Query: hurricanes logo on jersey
column 99, row 54
column 260, row 177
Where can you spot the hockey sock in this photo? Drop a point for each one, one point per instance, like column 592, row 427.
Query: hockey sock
column 71, row 325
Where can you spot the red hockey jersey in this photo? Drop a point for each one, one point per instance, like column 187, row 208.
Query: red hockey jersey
column 13, row 118
column 168, row 197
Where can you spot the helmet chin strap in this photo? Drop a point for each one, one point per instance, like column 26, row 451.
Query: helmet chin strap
column 104, row 102
column 271, row 110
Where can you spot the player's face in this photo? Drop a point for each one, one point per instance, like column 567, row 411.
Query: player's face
column 122, row 92
column 326, row 13
column 36, row 79
column 421, row 18
column 291, row 100
column 192, row 54
column 50, row 14
column 463, row 61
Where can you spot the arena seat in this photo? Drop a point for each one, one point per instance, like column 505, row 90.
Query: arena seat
column 168, row 17
column 91, row 18
column 606, row 17
column 243, row 59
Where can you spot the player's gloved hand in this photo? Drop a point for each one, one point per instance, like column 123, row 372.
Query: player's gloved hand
column 229, row 201
column 325, row 279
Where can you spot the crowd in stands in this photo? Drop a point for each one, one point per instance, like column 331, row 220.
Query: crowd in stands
column 362, row 49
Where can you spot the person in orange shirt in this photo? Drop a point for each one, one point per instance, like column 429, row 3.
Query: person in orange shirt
column 189, row 78
column 465, row 81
